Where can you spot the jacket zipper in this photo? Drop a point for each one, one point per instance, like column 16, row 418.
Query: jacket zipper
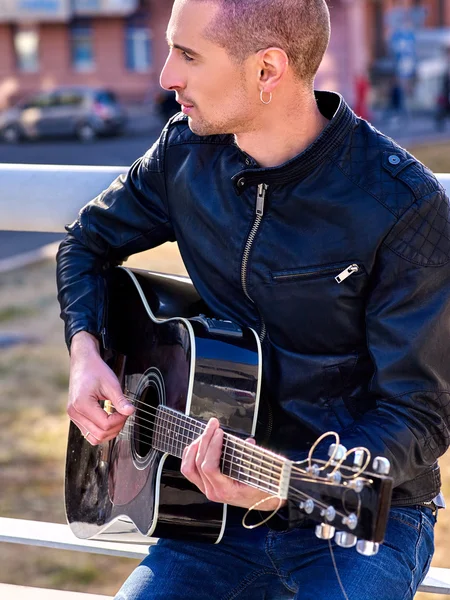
column 340, row 277
column 347, row 272
column 260, row 198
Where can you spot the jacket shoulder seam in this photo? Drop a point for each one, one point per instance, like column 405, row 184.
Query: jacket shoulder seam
column 367, row 191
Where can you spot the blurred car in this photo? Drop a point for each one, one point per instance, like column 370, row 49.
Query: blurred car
column 84, row 112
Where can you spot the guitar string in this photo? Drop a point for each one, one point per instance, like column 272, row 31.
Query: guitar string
column 227, row 461
column 179, row 434
column 302, row 477
column 200, row 427
column 336, row 463
column 259, row 475
column 295, row 493
column 301, row 495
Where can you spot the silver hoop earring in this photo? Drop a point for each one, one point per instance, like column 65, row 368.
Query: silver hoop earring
column 262, row 99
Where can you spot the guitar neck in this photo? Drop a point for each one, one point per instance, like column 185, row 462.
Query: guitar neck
column 240, row 460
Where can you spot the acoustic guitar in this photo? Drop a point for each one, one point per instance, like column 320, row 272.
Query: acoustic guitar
column 179, row 367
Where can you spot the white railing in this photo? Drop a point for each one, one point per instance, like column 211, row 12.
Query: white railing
column 45, row 198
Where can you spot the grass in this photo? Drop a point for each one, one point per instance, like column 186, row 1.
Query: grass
column 435, row 156
column 11, row 313
column 33, row 422
column 33, row 394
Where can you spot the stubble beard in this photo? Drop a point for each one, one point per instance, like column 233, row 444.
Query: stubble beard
column 239, row 119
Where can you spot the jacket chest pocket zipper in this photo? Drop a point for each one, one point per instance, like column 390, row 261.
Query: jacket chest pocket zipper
column 343, row 275
column 340, row 275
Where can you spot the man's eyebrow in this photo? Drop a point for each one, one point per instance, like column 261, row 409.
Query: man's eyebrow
column 182, row 48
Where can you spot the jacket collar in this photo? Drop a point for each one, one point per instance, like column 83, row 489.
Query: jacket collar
column 342, row 120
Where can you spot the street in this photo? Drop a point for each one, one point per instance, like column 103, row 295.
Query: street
column 110, row 151
column 107, row 151
column 122, row 151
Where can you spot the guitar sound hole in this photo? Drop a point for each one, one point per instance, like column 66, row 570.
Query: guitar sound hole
column 144, row 421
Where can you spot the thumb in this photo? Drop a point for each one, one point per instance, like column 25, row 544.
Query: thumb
column 119, row 401
column 251, row 441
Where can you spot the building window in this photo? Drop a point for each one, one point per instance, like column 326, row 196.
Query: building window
column 26, row 48
column 82, row 46
column 138, row 49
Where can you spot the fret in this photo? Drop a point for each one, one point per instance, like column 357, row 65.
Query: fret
column 179, row 439
column 234, row 474
column 169, row 440
column 247, row 466
column 226, row 464
column 271, row 470
column 256, row 465
column 155, row 440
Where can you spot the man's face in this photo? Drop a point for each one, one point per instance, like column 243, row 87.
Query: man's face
column 213, row 91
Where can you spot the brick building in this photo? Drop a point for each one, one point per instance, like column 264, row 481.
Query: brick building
column 116, row 43
column 121, row 44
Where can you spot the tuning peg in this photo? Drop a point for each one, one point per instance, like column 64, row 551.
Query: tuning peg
column 367, row 548
column 314, row 470
column 340, row 452
column 325, row 531
column 329, row 513
column 345, row 539
column 335, row 477
column 356, row 485
column 381, row 465
column 350, row 520
column 307, row 506
column 358, row 458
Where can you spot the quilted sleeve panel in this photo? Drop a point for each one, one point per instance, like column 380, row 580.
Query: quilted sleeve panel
column 422, row 234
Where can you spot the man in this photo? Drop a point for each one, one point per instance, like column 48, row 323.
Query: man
column 271, row 191
column 443, row 100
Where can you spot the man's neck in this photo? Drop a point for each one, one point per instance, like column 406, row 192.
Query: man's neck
column 286, row 133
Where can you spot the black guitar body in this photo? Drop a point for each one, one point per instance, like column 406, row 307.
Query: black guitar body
column 125, row 489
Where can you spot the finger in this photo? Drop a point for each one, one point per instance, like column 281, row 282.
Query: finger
column 189, row 467
column 90, row 409
column 214, row 481
column 204, row 441
column 96, row 435
column 113, row 392
column 208, row 462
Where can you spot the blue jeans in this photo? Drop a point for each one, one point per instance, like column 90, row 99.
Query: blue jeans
column 272, row 565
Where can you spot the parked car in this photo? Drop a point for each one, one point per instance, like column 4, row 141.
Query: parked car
column 81, row 111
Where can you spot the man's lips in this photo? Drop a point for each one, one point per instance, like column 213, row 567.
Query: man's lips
column 185, row 104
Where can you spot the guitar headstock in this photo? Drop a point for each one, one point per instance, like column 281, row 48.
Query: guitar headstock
column 349, row 503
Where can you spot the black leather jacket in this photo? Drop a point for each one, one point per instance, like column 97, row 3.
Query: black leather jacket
column 367, row 357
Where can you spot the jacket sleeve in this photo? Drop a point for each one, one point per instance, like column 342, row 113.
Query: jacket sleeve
column 408, row 337
column 128, row 217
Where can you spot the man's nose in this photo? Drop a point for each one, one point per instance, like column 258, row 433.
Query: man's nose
column 169, row 78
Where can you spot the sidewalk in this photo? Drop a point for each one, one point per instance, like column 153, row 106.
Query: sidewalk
column 418, row 129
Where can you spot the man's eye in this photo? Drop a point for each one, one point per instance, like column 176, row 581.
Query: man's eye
column 186, row 57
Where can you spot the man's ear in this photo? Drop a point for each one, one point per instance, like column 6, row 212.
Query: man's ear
column 273, row 64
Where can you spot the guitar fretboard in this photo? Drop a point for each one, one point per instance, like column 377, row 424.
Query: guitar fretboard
column 240, row 460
